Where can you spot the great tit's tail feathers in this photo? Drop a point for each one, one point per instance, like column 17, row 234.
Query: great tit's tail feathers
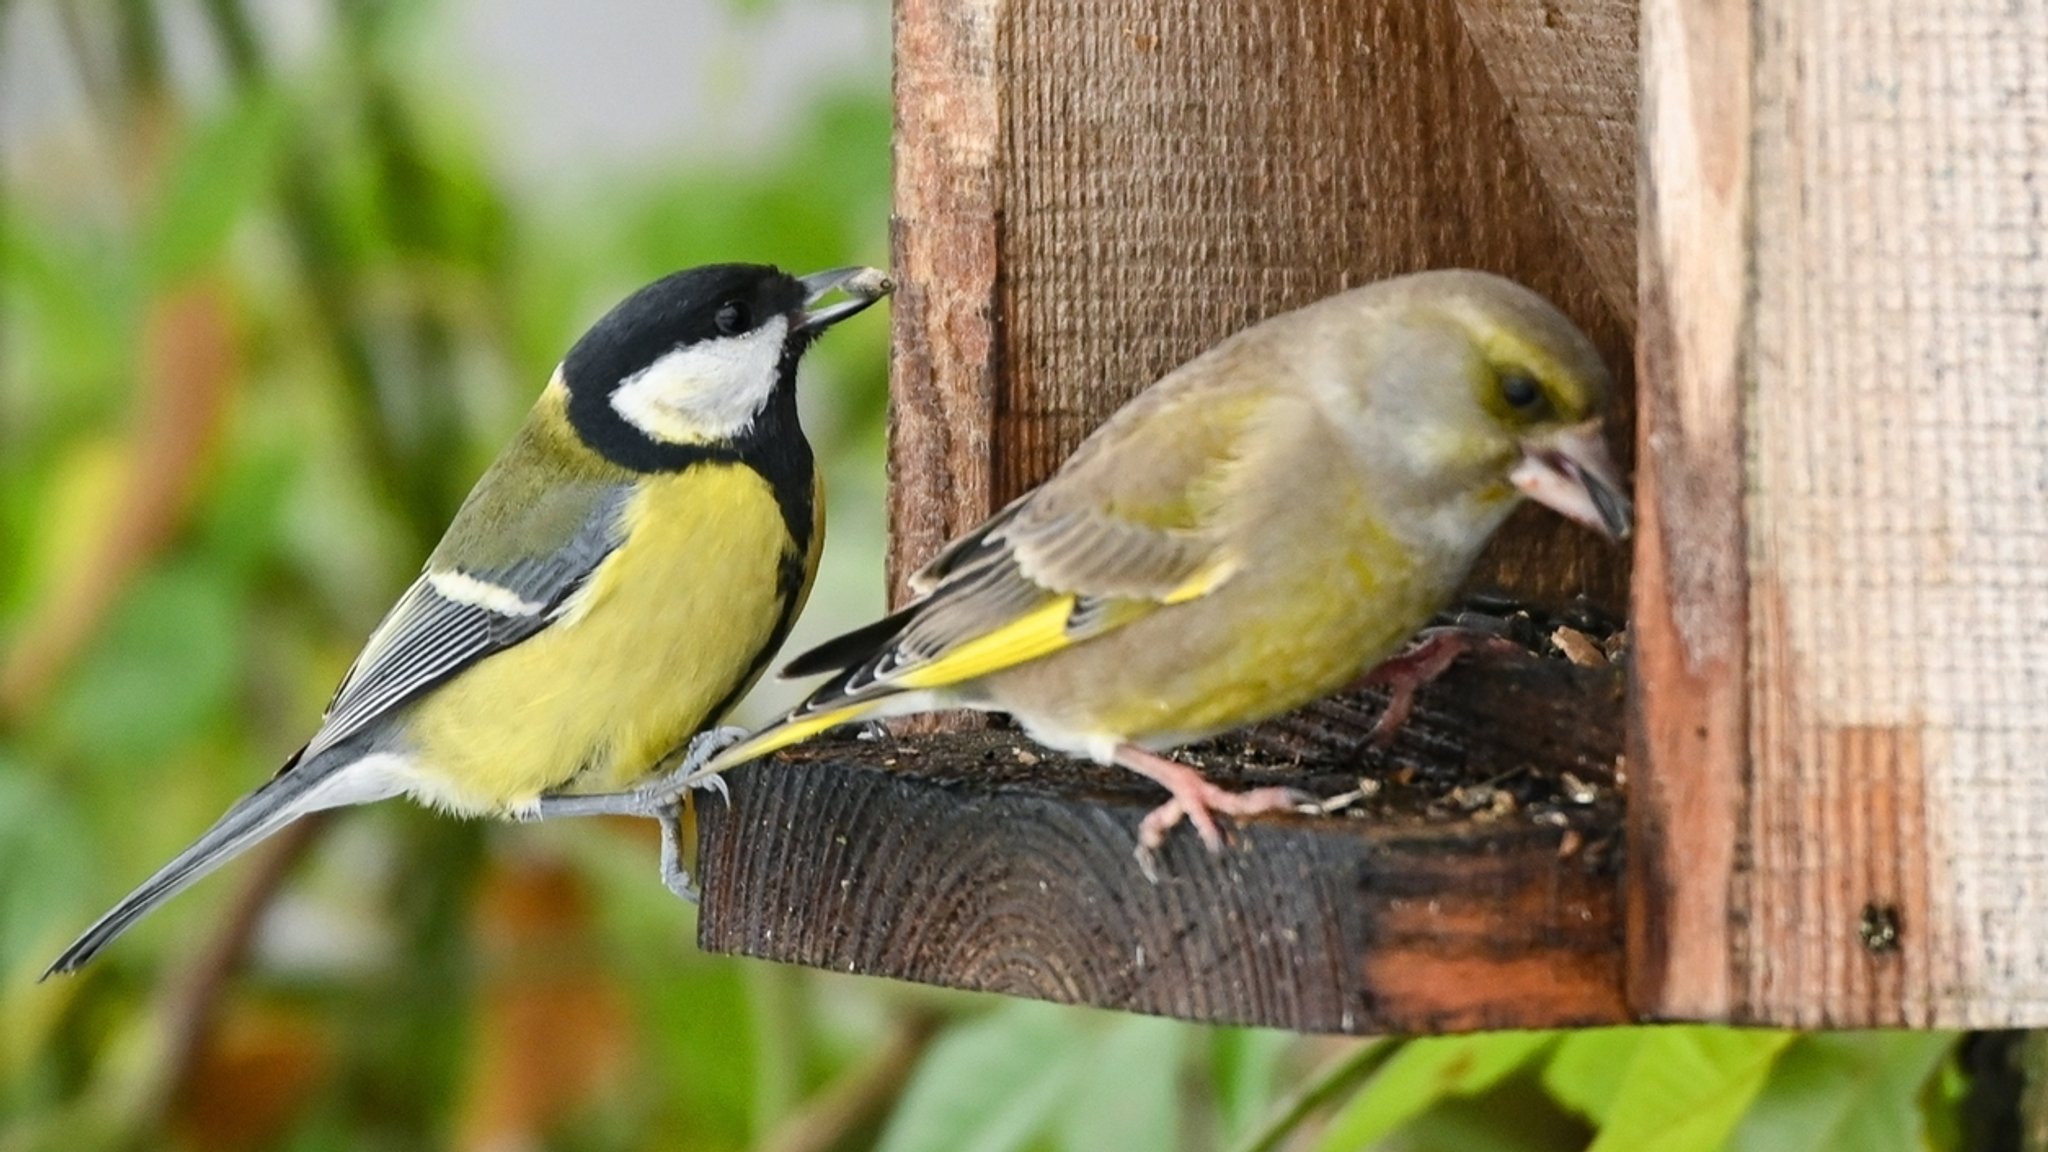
column 302, row 789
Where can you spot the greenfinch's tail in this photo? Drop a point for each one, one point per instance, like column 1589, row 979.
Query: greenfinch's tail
column 808, row 721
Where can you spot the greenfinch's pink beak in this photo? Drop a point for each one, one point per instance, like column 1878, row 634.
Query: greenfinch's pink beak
column 1568, row 470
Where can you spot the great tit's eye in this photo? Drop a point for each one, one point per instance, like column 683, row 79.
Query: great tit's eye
column 734, row 317
column 1521, row 391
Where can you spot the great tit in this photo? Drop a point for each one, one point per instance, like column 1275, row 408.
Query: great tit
column 1257, row 529
column 617, row 579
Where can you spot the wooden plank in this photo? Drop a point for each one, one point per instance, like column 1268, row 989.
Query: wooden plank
column 943, row 351
column 1689, row 619
column 1161, row 173
column 1889, row 841
column 1477, row 889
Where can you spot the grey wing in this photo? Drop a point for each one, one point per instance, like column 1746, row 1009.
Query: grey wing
column 456, row 614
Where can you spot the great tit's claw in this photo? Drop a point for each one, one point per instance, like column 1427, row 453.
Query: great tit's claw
column 674, row 876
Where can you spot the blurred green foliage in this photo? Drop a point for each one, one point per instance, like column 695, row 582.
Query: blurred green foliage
column 246, row 373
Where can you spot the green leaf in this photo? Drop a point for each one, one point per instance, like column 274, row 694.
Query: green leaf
column 46, row 854
column 1516, row 1115
column 1423, row 1073
column 1130, row 1098
column 1942, row 1101
column 223, row 167
column 1587, row 1069
column 1846, row 1092
column 993, row 1083
column 1687, row 1088
column 164, row 668
column 72, row 312
column 1245, row 1063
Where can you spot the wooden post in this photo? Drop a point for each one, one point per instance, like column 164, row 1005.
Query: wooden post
column 1089, row 192
column 1842, row 586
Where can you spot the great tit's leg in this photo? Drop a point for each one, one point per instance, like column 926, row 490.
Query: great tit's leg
column 660, row 800
column 674, row 875
column 1195, row 800
column 1427, row 657
column 651, row 798
column 679, row 766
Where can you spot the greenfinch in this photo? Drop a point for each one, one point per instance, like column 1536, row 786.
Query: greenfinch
column 1257, row 529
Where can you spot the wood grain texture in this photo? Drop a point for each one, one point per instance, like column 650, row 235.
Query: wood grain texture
column 1567, row 74
column 1891, row 324
column 1166, row 172
column 1477, row 888
column 1899, row 513
column 943, row 348
column 1689, row 616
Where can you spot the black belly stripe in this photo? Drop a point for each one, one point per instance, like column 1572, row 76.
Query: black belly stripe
column 773, row 447
column 788, row 583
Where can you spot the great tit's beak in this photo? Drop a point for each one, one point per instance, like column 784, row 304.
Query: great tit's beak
column 864, row 285
column 1568, row 469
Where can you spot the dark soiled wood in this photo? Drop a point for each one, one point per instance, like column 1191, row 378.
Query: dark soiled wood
column 1476, row 889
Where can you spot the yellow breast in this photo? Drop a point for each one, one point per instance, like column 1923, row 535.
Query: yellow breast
column 671, row 626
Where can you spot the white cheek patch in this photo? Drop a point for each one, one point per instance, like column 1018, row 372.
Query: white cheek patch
column 711, row 390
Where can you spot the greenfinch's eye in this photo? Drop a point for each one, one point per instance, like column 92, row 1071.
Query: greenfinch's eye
column 1521, row 392
column 733, row 318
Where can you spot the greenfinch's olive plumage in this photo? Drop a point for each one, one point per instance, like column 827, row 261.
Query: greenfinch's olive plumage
column 1257, row 529
column 616, row 580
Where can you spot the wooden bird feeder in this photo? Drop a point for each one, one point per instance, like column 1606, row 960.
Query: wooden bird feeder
column 1812, row 238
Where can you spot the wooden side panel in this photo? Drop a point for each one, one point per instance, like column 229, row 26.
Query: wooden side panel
column 1879, row 724
column 1898, row 495
column 1688, row 752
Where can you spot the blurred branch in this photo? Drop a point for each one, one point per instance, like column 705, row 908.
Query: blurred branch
column 189, row 369
column 1335, row 1079
column 194, row 1000
column 859, row 1097
column 141, row 48
column 95, row 74
column 2033, row 1062
column 328, row 278
column 552, row 1029
column 776, row 1031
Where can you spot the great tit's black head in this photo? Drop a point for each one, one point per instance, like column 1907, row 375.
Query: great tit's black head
column 695, row 358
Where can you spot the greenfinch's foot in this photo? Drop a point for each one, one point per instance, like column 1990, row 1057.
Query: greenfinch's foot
column 1431, row 653
column 1195, row 800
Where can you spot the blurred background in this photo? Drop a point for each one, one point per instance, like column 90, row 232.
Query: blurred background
column 277, row 278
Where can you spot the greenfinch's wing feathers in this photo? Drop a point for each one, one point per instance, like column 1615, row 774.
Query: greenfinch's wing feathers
column 1127, row 525
column 474, row 598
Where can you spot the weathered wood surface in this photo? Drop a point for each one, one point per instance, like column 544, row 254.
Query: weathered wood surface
column 1090, row 192
column 1690, row 615
column 1477, row 888
column 1842, row 815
